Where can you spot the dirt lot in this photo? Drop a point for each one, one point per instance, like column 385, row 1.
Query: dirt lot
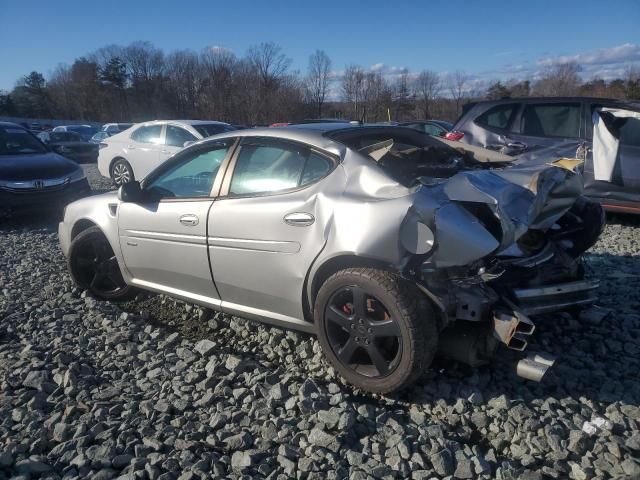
column 155, row 389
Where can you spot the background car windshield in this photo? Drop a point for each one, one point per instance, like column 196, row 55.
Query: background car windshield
column 210, row 129
column 64, row 137
column 190, row 178
column 264, row 169
column 16, row 141
column 83, row 131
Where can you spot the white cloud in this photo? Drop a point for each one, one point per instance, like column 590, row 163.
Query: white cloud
column 621, row 54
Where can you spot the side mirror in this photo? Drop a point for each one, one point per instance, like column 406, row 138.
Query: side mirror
column 130, row 192
column 187, row 143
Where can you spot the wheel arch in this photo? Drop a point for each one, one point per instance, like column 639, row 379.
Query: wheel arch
column 114, row 160
column 330, row 266
column 80, row 226
column 341, row 262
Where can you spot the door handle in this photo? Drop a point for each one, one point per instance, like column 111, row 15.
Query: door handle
column 189, row 220
column 299, row 219
column 131, row 147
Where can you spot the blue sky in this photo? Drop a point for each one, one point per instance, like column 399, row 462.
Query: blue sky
column 488, row 39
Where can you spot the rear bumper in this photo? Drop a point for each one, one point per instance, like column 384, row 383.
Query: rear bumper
column 45, row 199
column 552, row 298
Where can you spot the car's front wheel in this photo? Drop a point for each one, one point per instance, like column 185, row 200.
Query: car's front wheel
column 121, row 172
column 375, row 328
column 94, row 266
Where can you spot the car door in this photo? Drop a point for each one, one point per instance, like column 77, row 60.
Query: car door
column 174, row 140
column 625, row 182
column 163, row 237
column 269, row 225
column 495, row 128
column 142, row 151
column 548, row 124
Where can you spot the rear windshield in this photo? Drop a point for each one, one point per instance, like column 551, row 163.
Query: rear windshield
column 412, row 156
column 210, row 129
column 16, row 141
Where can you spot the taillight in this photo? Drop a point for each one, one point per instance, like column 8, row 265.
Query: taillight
column 455, row 136
column 103, row 145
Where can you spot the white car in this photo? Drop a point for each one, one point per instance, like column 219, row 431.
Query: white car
column 113, row 128
column 132, row 154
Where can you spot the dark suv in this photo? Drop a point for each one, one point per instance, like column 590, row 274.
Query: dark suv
column 558, row 126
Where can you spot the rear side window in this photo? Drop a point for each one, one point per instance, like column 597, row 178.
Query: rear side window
column 551, row 120
column 176, row 136
column 262, row 169
column 630, row 132
column 150, row 134
column 498, row 117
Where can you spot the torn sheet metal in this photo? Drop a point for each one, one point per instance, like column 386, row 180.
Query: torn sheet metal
column 606, row 140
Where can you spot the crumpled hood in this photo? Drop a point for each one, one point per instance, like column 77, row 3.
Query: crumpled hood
column 477, row 213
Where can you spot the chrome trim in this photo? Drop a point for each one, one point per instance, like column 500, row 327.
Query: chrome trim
column 274, row 246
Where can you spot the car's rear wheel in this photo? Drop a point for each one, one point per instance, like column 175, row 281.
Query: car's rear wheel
column 121, row 172
column 375, row 328
column 94, row 266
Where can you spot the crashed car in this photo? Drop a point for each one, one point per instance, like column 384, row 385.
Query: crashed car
column 388, row 244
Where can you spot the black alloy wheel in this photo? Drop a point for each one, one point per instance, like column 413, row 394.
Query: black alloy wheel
column 361, row 332
column 94, row 266
column 376, row 329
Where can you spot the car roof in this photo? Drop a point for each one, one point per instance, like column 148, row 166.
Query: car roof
column 553, row 100
column 318, row 135
column 186, row 122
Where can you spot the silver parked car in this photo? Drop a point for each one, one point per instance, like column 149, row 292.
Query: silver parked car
column 385, row 242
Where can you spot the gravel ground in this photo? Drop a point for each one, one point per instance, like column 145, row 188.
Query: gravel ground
column 159, row 389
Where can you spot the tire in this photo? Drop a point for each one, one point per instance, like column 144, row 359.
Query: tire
column 121, row 172
column 394, row 321
column 94, row 267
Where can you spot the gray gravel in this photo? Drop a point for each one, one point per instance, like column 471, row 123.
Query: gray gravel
column 159, row 389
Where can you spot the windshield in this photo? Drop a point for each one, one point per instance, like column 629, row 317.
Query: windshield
column 16, row 141
column 210, row 129
column 85, row 132
column 64, row 137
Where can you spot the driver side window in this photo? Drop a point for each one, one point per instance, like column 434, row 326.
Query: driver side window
column 190, row 177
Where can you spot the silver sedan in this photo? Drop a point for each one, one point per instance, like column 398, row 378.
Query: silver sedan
column 388, row 244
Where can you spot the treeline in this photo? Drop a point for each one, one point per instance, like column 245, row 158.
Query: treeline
column 140, row 82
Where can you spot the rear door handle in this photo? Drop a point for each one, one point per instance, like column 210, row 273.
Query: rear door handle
column 131, row 147
column 299, row 219
column 189, row 220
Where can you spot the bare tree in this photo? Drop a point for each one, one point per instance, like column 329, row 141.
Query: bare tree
column 353, row 88
column 318, row 77
column 427, row 87
column 377, row 96
column 184, row 81
column 220, row 77
column 456, row 84
column 268, row 59
column 559, row 80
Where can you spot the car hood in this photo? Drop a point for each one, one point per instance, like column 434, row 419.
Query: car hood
column 39, row 166
column 477, row 213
